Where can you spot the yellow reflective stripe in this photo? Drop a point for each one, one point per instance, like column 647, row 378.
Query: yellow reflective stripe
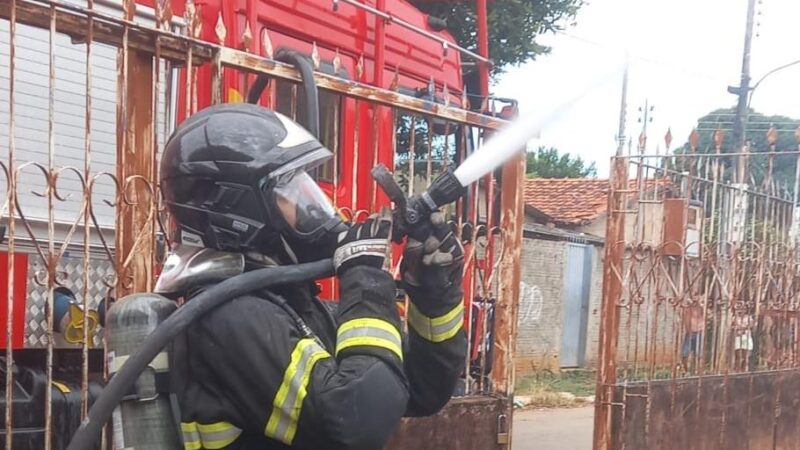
column 213, row 427
column 301, row 395
column 369, row 323
column 370, row 342
column 211, row 436
column 61, row 387
column 369, row 332
column 191, row 437
column 436, row 329
column 193, row 445
column 288, row 402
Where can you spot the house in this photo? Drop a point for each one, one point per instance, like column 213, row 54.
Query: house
column 574, row 204
column 562, row 273
column 564, row 236
column 581, row 204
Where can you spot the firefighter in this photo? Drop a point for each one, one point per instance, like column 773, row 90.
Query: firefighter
column 275, row 370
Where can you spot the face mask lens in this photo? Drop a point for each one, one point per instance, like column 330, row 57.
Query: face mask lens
column 302, row 203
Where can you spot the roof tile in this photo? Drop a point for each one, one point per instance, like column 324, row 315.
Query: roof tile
column 568, row 201
column 574, row 201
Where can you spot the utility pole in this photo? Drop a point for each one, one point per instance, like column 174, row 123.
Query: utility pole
column 743, row 91
column 644, row 119
column 483, row 48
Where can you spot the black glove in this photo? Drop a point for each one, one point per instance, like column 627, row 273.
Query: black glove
column 436, row 264
column 366, row 244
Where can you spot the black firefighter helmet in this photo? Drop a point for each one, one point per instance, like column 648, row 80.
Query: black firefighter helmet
column 235, row 178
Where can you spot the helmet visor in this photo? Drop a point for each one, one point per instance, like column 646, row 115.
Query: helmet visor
column 301, row 202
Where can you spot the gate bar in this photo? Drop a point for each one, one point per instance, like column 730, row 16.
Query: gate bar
column 135, row 153
column 510, row 271
column 253, row 63
column 609, row 313
column 74, row 21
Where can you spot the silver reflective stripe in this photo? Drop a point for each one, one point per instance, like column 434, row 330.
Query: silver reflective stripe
column 369, row 332
column 212, row 436
column 288, row 403
column 294, row 388
column 437, row 329
column 218, row 435
column 191, row 437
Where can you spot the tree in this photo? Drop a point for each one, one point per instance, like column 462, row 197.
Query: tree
column 549, row 163
column 436, row 145
column 514, row 25
column 757, row 126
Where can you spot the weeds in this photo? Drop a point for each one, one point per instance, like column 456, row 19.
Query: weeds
column 550, row 389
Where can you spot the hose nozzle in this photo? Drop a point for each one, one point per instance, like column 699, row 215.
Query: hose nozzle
column 411, row 213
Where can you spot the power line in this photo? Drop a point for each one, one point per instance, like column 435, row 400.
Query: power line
column 757, row 116
column 672, row 64
column 753, row 123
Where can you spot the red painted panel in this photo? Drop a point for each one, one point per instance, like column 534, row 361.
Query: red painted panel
column 296, row 24
column 20, row 297
column 177, row 5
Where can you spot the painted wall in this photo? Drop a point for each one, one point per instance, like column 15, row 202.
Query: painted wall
column 541, row 305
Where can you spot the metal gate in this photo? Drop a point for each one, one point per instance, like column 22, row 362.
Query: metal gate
column 577, row 282
column 699, row 332
column 86, row 212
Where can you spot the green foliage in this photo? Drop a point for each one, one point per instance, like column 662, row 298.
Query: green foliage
column 514, row 25
column 549, row 163
column 757, row 126
column 428, row 137
column 578, row 382
column 757, row 231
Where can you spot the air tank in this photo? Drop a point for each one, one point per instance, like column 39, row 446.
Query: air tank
column 144, row 419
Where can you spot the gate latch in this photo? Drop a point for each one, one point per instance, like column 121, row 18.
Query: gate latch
column 502, row 429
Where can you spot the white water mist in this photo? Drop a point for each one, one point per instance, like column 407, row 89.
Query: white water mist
column 513, row 138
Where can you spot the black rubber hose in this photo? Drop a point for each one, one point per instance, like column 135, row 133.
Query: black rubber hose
column 121, row 383
column 257, row 89
column 311, row 95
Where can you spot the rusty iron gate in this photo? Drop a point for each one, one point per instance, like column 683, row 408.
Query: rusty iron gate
column 82, row 207
column 700, row 326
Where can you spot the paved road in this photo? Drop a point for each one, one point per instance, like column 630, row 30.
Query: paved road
column 553, row 429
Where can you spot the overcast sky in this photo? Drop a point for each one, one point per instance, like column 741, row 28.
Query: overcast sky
column 683, row 55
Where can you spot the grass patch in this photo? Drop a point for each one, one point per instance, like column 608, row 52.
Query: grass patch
column 539, row 398
column 580, row 383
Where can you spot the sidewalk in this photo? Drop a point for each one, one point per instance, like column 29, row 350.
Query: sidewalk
column 554, row 429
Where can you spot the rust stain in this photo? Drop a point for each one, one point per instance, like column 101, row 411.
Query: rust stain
column 251, row 63
column 75, row 22
column 468, row 423
column 730, row 417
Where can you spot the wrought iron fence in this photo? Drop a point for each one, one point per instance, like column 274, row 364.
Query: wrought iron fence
column 91, row 92
column 700, row 300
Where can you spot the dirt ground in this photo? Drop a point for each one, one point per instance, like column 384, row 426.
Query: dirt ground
column 553, row 429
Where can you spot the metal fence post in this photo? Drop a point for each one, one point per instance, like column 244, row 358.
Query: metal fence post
column 135, row 171
column 512, row 204
column 612, row 292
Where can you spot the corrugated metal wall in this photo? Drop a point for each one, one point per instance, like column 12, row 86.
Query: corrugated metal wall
column 31, row 109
